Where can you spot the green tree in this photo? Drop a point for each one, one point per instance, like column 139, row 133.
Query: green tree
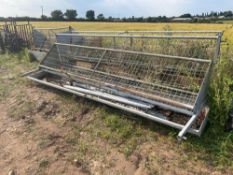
column 90, row 15
column 100, row 17
column 214, row 14
column 228, row 14
column 187, row 15
column 71, row 14
column 44, row 17
column 57, row 15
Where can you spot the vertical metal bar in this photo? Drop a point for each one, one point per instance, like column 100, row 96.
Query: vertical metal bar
column 70, row 29
column 102, row 56
column 114, row 42
column 218, row 48
column 29, row 30
column 59, row 54
column 131, row 42
column 29, row 34
column 24, row 34
column 21, row 31
column 16, row 36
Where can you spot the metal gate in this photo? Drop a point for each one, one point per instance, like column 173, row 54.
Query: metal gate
column 15, row 36
column 145, row 84
column 196, row 44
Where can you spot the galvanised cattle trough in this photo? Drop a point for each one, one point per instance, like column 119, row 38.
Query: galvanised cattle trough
column 43, row 40
column 167, row 88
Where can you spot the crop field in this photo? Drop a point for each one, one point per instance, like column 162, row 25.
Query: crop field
column 46, row 131
column 228, row 28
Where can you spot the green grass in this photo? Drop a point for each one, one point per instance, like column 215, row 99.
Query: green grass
column 22, row 109
column 11, row 68
column 119, row 130
column 44, row 164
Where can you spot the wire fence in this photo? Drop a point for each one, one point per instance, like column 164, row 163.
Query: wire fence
column 169, row 79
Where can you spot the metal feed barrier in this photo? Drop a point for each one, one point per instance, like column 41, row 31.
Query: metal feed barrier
column 198, row 44
column 136, row 72
column 167, row 89
column 43, row 40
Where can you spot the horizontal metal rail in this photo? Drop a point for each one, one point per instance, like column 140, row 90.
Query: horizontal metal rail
column 143, row 37
column 155, row 32
column 54, row 28
column 110, row 97
column 137, row 52
column 94, row 60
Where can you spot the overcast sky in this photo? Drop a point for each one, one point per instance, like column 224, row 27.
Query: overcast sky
column 115, row 8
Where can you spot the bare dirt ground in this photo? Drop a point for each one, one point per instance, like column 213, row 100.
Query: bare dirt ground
column 44, row 131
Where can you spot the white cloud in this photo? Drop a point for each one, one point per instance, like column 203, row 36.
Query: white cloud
column 109, row 7
column 147, row 7
column 114, row 8
column 30, row 7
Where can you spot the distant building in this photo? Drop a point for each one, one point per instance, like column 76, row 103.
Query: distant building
column 182, row 19
column 221, row 17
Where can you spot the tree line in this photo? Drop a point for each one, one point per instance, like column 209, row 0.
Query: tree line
column 72, row 15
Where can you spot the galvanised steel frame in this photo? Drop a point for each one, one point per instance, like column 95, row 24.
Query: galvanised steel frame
column 44, row 38
column 198, row 44
column 145, row 84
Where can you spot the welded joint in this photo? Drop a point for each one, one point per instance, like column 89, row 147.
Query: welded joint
column 181, row 135
column 205, row 111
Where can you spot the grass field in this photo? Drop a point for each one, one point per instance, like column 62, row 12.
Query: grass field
column 56, row 133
